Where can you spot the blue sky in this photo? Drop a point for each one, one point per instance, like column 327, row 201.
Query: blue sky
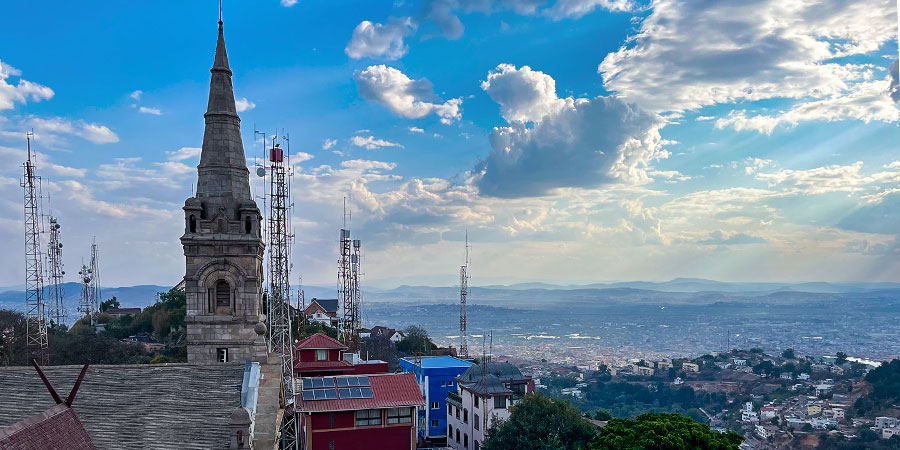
column 576, row 140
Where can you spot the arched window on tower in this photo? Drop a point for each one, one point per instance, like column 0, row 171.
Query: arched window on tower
column 192, row 224
column 248, row 225
column 223, row 294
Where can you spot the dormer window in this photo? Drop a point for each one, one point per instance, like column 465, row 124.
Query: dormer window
column 321, row 355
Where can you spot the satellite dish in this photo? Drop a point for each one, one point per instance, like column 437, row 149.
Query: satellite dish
column 261, row 171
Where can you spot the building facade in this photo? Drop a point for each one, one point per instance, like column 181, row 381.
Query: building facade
column 484, row 394
column 222, row 243
column 436, row 376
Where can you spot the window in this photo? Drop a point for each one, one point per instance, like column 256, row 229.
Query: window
column 321, row 355
column 466, row 440
column 331, row 445
column 457, row 435
column 443, row 383
column 192, row 223
column 331, row 420
column 435, row 405
column 368, row 417
column 457, row 413
column 476, row 401
column 248, row 225
column 475, row 418
column 466, row 415
column 435, row 423
column 476, row 446
column 450, row 431
column 500, row 402
column 223, row 294
column 403, row 415
column 222, row 354
column 450, row 383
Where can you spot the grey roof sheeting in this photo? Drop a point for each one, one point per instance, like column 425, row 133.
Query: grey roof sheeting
column 502, row 370
column 328, row 304
column 489, row 385
column 134, row 406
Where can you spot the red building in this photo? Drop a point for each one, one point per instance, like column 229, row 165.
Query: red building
column 320, row 355
column 357, row 412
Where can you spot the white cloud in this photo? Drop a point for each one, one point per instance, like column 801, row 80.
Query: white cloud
column 136, row 94
column 819, row 180
column 153, row 111
column 21, row 92
column 377, row 40
column 371, row 143
column 578, row 8
column 288, row 3
column 895, row 80
column 96, row 133
column 409, row 98
column 416, row 130
column 690, row 54
column 184, row 153
column 554, row 142
column 868, row 101
column 329, row 143
column 242, row 104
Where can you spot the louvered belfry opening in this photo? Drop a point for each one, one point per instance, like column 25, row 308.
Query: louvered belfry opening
column 223, row 294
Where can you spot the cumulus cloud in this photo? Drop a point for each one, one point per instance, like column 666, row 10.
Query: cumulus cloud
column 184, row 153
column 879, row 218
column 416, row 130
column 153, row 111
column 578, row 8
column 687, row 55
column 380, row 40
column 93, row 132
column 328, row 143
column 554, row 142
column 288, row 3
column 866, row 102
column 136, row 95
column 242, row 104
column 895, row 81
column 22, row 91
column 409, row 98
column 833, row 178
column 371, row 143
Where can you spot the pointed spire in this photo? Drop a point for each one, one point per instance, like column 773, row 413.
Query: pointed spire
column 223, row 177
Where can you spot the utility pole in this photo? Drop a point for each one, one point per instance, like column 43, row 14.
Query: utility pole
column 463, row 295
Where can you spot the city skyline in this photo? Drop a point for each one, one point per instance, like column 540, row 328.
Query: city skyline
column 575, row 140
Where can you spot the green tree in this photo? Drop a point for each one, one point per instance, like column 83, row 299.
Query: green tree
column 788, row 353
column 540, row 423
column 108, row 304
column 603, row 415
column 841, row 358
column 416, row 339
column 662, row 432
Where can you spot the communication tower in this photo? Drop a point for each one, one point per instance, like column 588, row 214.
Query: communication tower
column 55, row 273
column 279, row 295
column 463, row 295
column 35, row 315
column 349, row 293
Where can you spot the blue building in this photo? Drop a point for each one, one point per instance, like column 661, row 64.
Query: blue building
column 437, row 377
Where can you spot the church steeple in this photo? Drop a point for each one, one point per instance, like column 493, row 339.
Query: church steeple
column 223, row 178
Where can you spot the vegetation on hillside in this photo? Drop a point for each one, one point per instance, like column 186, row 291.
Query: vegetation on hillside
column 662, row 432
column 540, row 423
column 885, row 382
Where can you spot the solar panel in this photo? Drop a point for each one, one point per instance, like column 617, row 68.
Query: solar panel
column 345, row 392
column 328, row 382
column 307, row 383
column 308, row 395
column 363, row 381
column 343, row 382
column 330, row 394
column 366, row 393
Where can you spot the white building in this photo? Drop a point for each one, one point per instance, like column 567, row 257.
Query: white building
column 690, row 367
column 482, row 398
column 886, row 422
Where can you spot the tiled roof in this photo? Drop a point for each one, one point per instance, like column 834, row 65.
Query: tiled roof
column 388, row 391
column 323, row 365
column 54, row 429
column 319, row 341
column 328, row 304
column 126, row 407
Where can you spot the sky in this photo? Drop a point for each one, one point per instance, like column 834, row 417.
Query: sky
column 573, row 140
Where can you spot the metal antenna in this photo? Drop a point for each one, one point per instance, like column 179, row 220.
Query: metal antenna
column 463, row 296
column 35, row 317
column 220, row 11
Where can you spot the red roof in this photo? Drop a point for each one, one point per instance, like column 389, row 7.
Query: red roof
column 321, row 365
column 319, row 341
column 388, row 391
column 55, row 428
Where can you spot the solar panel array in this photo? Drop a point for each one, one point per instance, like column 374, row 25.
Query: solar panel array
column 324, row 388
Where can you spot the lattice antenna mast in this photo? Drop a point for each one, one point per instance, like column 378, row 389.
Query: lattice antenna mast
column 56, row 273
column 84, row 305
column 96, row 296
column 463, row 296
column 355, row 293
column 35, row 316
column 345, row 282
column 279, row 264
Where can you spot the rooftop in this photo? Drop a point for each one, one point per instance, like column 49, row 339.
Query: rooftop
column 433, row 362
column 160, row 406
column 388, row 391
column 320, row 341
column 57, row 427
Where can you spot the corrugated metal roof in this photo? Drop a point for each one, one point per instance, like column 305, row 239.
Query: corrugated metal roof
column 319, row 341
column 311, row 365
column 388, row 391
column 435, row 362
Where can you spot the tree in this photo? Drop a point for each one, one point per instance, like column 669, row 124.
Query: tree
column 108, row 304
column 841, row 358
column 416, row 339
column 380, row 347
column 540, row 423
column 603, row 415
column 662, row 432
column 788, row 353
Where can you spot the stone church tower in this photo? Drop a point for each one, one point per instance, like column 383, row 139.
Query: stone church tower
column 223, row 246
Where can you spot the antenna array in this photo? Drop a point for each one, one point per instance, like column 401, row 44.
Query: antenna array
column 56, row 273
column 464, row 278
column 35, row 316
